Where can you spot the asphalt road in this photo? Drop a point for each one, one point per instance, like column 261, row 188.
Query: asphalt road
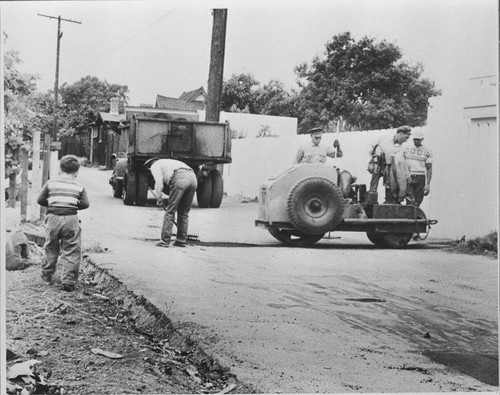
column 342, row 316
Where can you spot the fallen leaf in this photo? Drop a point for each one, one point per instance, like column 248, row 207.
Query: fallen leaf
column 191, row 370
column 100, row 296
column 108, row 354
column 229, row 388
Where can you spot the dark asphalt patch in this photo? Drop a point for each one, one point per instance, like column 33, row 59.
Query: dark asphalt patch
column 410, row 369
column 366, row 300
column 482, row 367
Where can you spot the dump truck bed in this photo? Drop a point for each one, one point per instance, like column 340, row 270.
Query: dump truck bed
column 189, row 141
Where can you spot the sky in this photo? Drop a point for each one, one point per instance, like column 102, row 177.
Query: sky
column 163, row 47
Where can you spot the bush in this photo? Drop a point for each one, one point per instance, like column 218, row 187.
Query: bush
column 486, row 245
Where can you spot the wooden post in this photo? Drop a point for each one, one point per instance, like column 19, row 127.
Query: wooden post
column 215, row 74
column 36, row 179
column 23, row 157
column 46, row 167
column 48, row 136
column 12, row 189
column 91, row 146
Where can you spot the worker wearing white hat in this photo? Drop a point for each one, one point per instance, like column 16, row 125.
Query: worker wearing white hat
column 419, row 160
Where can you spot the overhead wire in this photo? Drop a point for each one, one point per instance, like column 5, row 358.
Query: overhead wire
column 107, row 52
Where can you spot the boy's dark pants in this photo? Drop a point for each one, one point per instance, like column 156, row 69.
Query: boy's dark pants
column 63, row 234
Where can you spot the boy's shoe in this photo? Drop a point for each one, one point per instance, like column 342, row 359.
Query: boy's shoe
column 179, row 244
column 68, row 287
column 47, row 278
column 162, row 244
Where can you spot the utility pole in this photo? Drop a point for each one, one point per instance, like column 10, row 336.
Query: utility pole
column 51, row 138
column 216, row 71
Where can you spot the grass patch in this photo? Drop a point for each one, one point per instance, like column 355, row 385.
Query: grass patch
column 486, row 245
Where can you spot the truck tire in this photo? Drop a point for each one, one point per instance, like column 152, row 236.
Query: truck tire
column 142, row 189
column 315, row 205
column 118, row 189
column 217, row 189
column 294, row 238
column 129, row 189
column 204, row 192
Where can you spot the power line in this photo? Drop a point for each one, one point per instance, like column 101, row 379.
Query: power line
column 107, row 52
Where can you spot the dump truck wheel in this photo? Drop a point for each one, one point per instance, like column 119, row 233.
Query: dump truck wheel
column 142, row 189
column 118, row 189
column 294, row 238
column 315, row 206
column 397, row 240
column 129, row 190
column 217, row 189
column 376, row 238
column 204, row 192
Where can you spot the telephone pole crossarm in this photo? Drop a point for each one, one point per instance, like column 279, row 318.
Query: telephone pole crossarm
column 58, row 17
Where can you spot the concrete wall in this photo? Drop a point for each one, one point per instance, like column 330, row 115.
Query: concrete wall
column 464, row 187
column 249, row 125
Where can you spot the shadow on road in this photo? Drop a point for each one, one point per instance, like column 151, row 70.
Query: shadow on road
column 318, row 246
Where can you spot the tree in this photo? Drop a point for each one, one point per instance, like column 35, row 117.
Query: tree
column 365, row 83
column 19, row 116
column 239, row 94
column 82, row 101
column 273, row 99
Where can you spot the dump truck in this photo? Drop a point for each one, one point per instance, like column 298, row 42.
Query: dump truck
column 301, row 205
column 204, row 146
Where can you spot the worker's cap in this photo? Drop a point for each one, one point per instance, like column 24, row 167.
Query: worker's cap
column 417, row 134
column 315, row 130
column 149, row 162
column 404, row 129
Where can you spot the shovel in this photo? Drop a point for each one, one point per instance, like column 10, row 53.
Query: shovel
column 191, row 237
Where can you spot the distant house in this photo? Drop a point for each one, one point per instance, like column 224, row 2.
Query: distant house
column 242, row 125
column 188, row 101
column 105, row 136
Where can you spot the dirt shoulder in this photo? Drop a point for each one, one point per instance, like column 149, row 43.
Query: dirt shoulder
column 73, row 334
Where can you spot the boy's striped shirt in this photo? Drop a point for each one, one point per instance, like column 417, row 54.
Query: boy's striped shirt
column 63, row 197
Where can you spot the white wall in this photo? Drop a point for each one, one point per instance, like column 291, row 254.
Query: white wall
column 464, row 187
column 249, row 125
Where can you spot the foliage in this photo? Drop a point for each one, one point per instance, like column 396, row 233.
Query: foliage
column 273, row 99
column 244, row 94
column 487, row 245
column 239, row 94
column 83, row 100
column 265, row 131
column 365, row 83
column 20, row 118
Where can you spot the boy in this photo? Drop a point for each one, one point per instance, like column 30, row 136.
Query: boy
column 63, row 197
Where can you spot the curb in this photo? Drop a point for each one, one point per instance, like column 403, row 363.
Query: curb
column 151, row 321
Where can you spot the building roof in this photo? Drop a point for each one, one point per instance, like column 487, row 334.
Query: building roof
column 178, row 104
column 192, row 95
column 107, row 117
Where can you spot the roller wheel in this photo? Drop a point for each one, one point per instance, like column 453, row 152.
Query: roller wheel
column 376, row 238
column 315, row 206
column 397, row 240
column 293, row 237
